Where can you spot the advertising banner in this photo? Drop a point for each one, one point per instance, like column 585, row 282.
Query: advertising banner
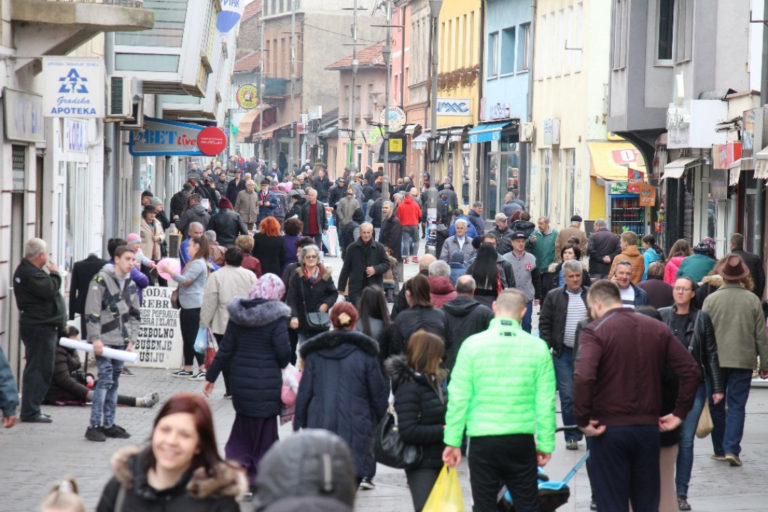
column 159, row 344
column 73, row 87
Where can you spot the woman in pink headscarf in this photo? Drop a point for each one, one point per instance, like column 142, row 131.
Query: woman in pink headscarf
column 255, row 347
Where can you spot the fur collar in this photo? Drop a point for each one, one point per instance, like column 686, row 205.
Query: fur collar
column 333, row 339
column 325, row 273
column 225, row 481
column 714, row 280
column 398, row 369
column 257, row 312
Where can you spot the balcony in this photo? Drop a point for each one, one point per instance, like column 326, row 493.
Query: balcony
column 53, row 27
column 280, row 87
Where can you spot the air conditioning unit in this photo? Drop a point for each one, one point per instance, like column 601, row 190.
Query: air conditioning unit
column 119, row 98
column 136, row 121
column 526, row 132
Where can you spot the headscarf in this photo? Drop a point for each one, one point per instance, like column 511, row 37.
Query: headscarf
column 268, row 287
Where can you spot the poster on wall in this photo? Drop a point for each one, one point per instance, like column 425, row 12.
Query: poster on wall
column 647, row 195
column 159, row 344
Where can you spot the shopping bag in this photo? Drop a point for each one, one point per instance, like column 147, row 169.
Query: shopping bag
column 446, row 493
column 705, row 425
column 201, row 341
column 211, row 348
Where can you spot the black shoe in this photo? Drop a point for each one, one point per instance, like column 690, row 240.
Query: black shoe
column 95, row 434
column 40, row 418
column 592, row 504
column 116, row 431
column 366, row 484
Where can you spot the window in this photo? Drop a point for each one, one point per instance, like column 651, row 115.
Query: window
column 569, row 157
column 546, row 167
column 540, row 31
column 372, row 99
column 508, row 50
column 683, row 31
column 578, row 41
column 568, row 45
column 551, row 44
column 523, row 46
column 619, row 35
column 559, row 44
column 346, row 99
column 666, row 29
column 493, row 54
column 273, row 10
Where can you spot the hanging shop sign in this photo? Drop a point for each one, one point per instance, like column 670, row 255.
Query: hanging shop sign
column 634, row 179
column 395, row 120
column 454, row 107
column 618, row 187
column 396, row 145
column 724, row 155
column 165, row 138
column 647, row 195
column 212, row 141
column 248, row 96
column 73, row 87
column 23, row 119
column 230, row 13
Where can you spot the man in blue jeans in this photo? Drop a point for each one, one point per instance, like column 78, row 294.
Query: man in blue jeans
column 112, row 309
column 737, row 316
column 560, row 312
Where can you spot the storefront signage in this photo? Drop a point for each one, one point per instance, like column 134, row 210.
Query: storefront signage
column 23, row 119
column 212, row 141
column 693, row 124
column 394, row 121
column 551, row 132
column 159, row 344
column 73, row 87
column 75, row 136
column 396, row 145
column 634, row 179
column 724, row 155
column 248, row 96
column 454, row 107
column 618, row 187
column 165, row 138
column 647, row 195
column 231, row 11
column 499, row 111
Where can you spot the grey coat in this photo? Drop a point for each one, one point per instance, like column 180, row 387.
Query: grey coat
column 112, row 313
column 451, row 246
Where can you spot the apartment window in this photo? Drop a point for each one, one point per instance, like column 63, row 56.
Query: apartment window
column 666, row 25
column 508, row 50
column 546, row 167
column 683, row 31
column 620, row 34
column 578, row 41
column 569, row 157
column 282, row 6
column 346, row 98
column 540, row 30
column 372, row 99
column 523, row 46
column 273, row 10
column 551, row 44
column 560, row 44
column 267, row 59
column 493, row 54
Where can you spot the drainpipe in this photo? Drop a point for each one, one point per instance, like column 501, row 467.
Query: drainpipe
column 111, row 152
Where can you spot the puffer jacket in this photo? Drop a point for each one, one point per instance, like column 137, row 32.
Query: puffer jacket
column 696, row 266
column 670, row 270
column 553, row 315
column 255, row 347
column 699, row 338
column 63, row 385
column 342, row 390
column 464, row 316
column 503, row 383
column 195, row 492
column 420, row 406
column 304, row 298
column 411, row 320
column 441, row 290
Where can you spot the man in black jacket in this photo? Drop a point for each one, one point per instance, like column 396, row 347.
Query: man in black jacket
column 179, row 201
column 391, row 236
column 227, row 224
column 753, row 261
column 602, row 247
column 464, row 316
column 364, row 264
column 234, row 187
column 42, row 316
column 561, row 311
column 82, row 273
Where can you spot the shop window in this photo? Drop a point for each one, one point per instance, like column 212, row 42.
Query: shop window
column 683, row 31
column 665, row 34
column 523, row 47
column 508, row 50
column 493, row 54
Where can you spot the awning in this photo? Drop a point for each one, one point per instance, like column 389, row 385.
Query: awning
column 411, row 128
column 676, row 168
column 268, row 134
column 486, row 132
column 331, row 132
column 610, row 160
column 420, row 142
column 733, row 173
column 761, row 164
column 245, row 126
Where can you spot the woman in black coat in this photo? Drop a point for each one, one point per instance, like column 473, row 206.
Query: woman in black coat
column 342, row 388
column 310, row 289
column 255, row 347
column 421, row 314
column 420, row 404
column 269, row 246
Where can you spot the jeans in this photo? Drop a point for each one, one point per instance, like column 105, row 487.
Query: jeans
column 504, row 460
column 410, row 241
column 527, row 317
column 39, row 349
column 687, row 436
column 189, row 319
column 420, row 482
column 105, row 394
column 726, row 437
column 564, row 374
column 625, row 467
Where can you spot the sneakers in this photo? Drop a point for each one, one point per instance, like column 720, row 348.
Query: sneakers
column 148, row 400
column 719, row 458
column 682, row 503
column 571, row 444
column 127, row 372
column 366, row 484
column 592, row 504
column 115, row 431
column 95, row 434
column 415, row 259
column 733, row 459
column 200, row 375
column 182, row 373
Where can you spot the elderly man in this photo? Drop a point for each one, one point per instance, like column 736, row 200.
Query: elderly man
column 313, row 217
column 247, row 204
column 42, row 316
column 364, row 264
column 475, row 216
column 572, row 231
column 503, row 234
column 391, row 236
column 602, row 247
column 526, row 274
column 195, row 212
column 459, row 242
column 464, row 317
column 512, row 204
column 631, row 295
column 195, row 230
column 561, row 312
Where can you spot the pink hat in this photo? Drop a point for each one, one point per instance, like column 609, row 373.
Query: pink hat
column 132, row 238
column 268, row 287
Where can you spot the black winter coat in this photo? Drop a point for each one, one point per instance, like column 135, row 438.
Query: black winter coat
column 228, row 225
column 464, row 316
column 420, row 406
column 233, row 189
column 270, row 251
column 411, row 320
column 38, row 297
column 602, row 243
column 195, row 492
column 342, row 389
column 322, row 221
column 391, row 235
column 254, row 348
column 82, row 273
column 552, row 317
column 64, row 386
column 359, row 256
column 179, row 203
column 755, row 266
column 304, row 298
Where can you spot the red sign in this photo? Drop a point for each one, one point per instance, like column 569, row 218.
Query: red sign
column 626, row 156
column 724, row 155
column 212, row 141
column 634, row 179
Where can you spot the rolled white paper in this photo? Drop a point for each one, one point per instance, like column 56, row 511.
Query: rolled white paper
column 111, row 353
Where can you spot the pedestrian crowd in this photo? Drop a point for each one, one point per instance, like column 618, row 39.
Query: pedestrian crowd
column 636, row 344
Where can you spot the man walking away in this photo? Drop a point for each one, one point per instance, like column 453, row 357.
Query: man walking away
column 464, row 316
column 602, row 247
column 195, row 212
column 572, row 231
column 737, row 316
column 112, row 307
column 617, row 389
column 501, row 409
column 561, row 311
column 753, row 262
column 42, row 316
column 409, row 214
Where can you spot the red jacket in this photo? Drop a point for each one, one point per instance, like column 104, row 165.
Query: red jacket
column 409, row 212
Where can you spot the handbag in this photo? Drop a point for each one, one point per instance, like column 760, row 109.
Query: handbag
column 317, row 321
column 705, row 426
column 175, row 299
column 388, row 447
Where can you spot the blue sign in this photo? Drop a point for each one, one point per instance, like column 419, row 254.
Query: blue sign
column 230, row 14
column 165, row 138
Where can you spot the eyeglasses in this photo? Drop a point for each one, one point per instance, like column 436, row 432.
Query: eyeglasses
column 682, row 289
column 310, row 257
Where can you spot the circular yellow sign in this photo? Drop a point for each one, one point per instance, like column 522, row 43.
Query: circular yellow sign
column 248, row 96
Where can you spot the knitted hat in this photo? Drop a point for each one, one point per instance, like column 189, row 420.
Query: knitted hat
column 225, row 203
column 155, row 201
column 132, row 238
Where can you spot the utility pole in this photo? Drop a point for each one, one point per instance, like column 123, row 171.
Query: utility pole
column 351, row 153
column 261, row 88
column 434, row 12
column 387, row 54
column 294, row 135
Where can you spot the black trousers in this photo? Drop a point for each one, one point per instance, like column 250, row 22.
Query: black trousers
column 39, row 349
column 504, row 460
column 420, row 482
column 190, row 323
column 225, row 369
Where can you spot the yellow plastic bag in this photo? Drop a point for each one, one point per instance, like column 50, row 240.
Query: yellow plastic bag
column 446, row 493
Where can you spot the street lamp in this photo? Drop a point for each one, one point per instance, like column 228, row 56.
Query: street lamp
column 434, row 13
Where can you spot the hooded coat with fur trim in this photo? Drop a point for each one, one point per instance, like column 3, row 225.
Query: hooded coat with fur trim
column 303, row 297
column 195, row 492
column 255, row 347
column 342, row 390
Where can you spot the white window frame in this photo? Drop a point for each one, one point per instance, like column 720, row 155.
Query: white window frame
column 493, row 54
column 523, row 42
column 657, row 37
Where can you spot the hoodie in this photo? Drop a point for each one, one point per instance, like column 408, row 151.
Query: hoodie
column 409, row 212
column 464, row 317
column 631, row 253
column 441, row 290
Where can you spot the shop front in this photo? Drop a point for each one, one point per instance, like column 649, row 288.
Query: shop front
column 500, row 161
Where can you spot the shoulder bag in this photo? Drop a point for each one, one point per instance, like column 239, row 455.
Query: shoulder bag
column 388, row 447
column 317, row 321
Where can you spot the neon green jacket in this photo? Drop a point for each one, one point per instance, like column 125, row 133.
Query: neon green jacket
column 503, row 383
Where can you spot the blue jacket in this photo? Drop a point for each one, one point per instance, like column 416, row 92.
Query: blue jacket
column 471, row 231
column 9, row 394
column 254, row 348
column 342, row 389
column 267, row 211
